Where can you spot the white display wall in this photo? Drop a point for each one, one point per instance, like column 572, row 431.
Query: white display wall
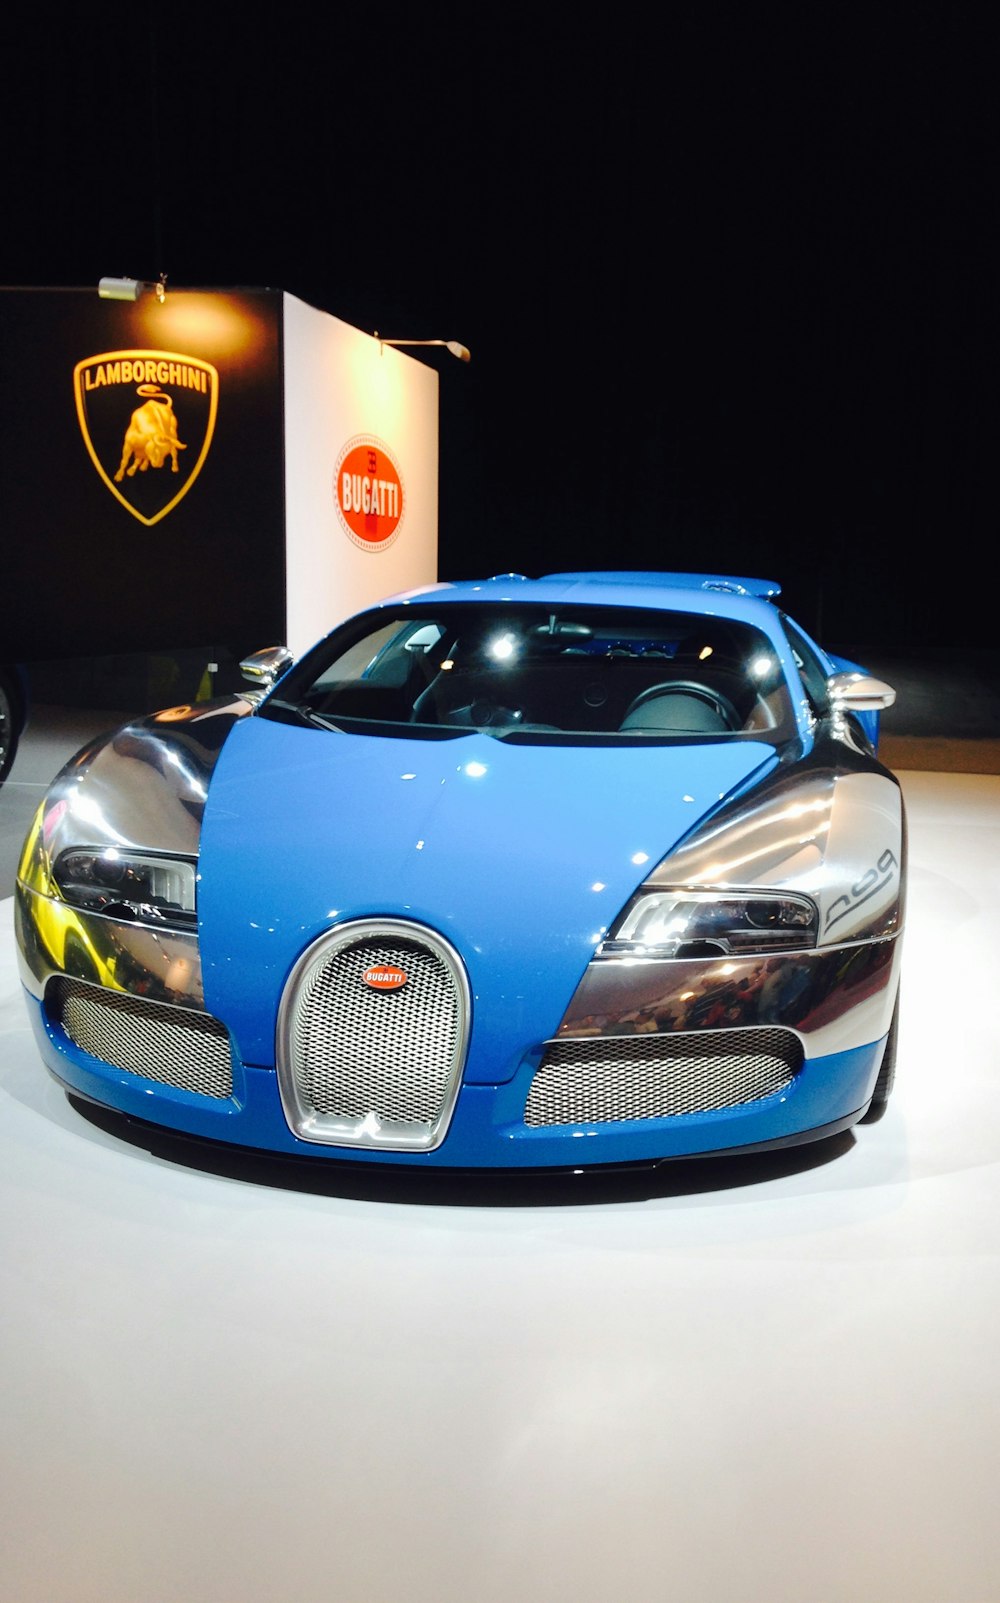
column 361, row 471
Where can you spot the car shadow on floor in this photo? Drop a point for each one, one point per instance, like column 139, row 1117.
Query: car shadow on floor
column 328, row 1177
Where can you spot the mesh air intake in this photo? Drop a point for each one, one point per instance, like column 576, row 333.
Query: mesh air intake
column 595, row 1081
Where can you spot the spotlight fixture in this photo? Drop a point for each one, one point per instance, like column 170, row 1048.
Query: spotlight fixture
column 461, row 351
column 129, row 289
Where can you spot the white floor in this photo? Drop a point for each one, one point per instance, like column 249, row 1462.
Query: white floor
column 767, row 1380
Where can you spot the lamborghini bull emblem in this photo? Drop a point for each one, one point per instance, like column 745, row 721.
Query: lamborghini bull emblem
column 147, row 419
column 151, row 435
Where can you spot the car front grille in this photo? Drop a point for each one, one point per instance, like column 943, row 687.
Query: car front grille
column 362, row 1066
column 594, row 1081
column 172, row 1045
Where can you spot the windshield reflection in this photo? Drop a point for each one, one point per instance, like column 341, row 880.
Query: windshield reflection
column 535, row 674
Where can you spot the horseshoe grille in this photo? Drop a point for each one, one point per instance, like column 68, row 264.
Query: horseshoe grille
column 361, row 1066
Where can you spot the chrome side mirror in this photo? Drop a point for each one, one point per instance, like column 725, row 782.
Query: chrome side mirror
column 859, row 692
column 263, row 668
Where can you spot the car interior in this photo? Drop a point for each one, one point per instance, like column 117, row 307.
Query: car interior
column 656, row 676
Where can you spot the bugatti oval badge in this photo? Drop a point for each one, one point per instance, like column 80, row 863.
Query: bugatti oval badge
column 383, row 977
column 368, row 490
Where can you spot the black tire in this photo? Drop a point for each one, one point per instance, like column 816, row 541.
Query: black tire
column 10, row 724
column 887, row 1072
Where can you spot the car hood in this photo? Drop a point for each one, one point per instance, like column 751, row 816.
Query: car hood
column 520, row 855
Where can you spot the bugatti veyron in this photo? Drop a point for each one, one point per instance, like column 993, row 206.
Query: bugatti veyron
column 591, row 869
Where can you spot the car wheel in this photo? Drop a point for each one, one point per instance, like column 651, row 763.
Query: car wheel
column 887, row 1072
column 10, row 724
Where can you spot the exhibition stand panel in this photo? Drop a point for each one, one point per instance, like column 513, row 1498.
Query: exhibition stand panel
column 232, row 469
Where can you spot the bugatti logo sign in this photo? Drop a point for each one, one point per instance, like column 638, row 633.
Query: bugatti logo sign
column 368, row 490
column 384, row 978
column 147, row 419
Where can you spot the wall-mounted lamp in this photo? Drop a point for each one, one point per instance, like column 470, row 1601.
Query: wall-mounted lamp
column 129, row 289
column 461, row 351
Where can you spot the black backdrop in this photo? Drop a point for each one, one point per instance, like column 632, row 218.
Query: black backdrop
column 81, row 574
column 728, row 281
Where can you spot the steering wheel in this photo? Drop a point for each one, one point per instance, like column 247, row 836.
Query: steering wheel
column 720, row 704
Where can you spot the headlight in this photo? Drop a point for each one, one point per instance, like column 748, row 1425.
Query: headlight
column 712, row 924
column 129, row 885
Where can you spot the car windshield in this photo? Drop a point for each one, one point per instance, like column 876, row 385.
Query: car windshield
column 535, row 673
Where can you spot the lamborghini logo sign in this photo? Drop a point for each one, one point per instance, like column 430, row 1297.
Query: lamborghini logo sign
column 147, row 419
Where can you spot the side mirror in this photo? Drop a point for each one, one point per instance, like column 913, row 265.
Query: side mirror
column 263, row 668
column 859, row 692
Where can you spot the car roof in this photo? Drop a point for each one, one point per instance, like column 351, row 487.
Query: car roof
column 712, row 594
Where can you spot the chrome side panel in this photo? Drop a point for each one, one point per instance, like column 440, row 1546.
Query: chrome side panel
column 835, row 831
column 143, row 785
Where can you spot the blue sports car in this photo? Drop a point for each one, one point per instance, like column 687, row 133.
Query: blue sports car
column 592, row 869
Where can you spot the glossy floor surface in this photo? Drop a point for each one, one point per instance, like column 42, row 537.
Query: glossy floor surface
column 769, row 1379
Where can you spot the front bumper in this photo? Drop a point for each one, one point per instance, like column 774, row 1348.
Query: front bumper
column 487, row 1128
column 836, row 1003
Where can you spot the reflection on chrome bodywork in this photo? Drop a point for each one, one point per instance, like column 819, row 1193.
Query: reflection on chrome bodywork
column 142, row 787
column 812, row 834
column 55, row 939
column 145, row 785
column 835, row 998
column 860, row 691
column 264, row 668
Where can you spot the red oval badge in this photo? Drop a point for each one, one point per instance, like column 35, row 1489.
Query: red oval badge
column 368, row 490
column 384, row 978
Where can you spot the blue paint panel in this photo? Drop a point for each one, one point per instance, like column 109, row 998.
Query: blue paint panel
column 519, row 855
column 766, row 589
column 705, row 593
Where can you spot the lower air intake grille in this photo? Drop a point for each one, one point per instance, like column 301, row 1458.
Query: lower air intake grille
column 372, row 1037
column 172, row 1045
column 660, row 1076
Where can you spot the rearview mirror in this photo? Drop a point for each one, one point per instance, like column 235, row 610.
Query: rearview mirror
column 263, row 668
column 859, row 692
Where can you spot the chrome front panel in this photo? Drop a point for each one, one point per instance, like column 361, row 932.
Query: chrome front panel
column 835, row 998
column 53, row 938
column 364, row 1067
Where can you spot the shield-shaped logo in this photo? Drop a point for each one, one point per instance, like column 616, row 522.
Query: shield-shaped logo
column 147, row 419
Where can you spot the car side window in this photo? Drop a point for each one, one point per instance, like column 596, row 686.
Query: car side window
column 813, row 670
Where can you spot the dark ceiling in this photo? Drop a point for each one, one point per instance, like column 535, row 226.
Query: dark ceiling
column 727, row 284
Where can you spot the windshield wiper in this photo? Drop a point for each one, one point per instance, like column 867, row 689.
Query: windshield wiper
column 300, row 712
